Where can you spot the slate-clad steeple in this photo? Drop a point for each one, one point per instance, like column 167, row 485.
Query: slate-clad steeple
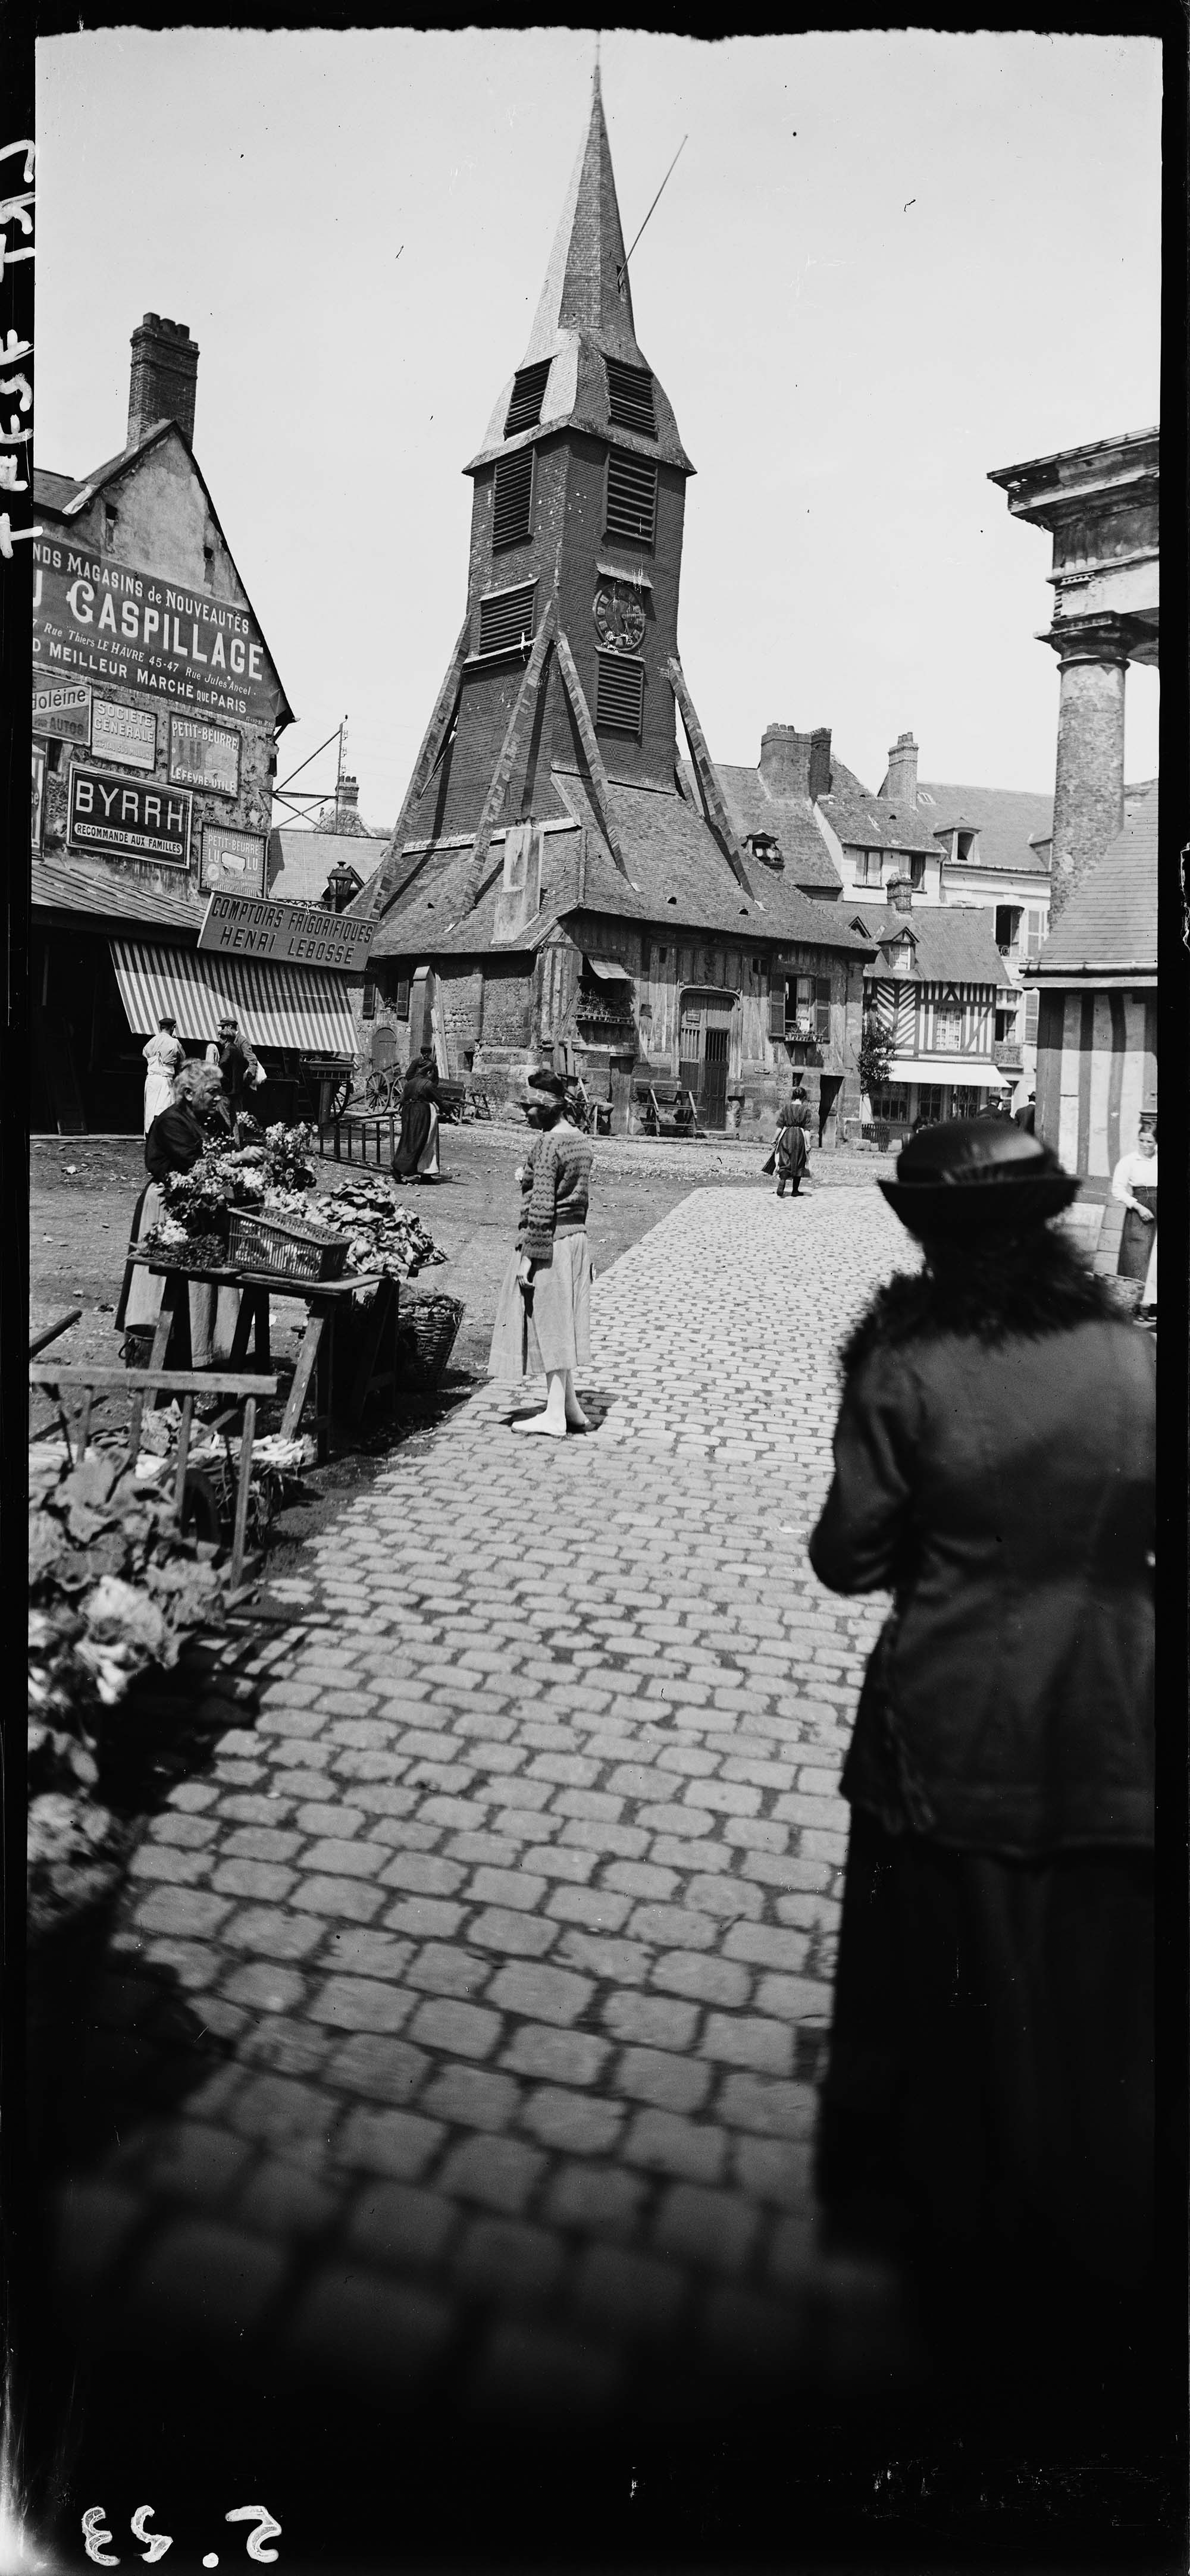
column 587, row 286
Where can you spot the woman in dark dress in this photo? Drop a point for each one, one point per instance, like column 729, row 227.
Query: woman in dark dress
column 990, row 2079
column 416, row 1157
column 174, row 1143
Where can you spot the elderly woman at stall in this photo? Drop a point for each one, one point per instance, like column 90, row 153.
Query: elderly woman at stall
column 990, row 2069
column 175, row 1140
column 164, row 1057
column 543, row 1320
column 416, row 1157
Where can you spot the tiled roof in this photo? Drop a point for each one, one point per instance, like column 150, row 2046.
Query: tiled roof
column 1111, row 918
column 52, row 491
column 954, row 945
column 790, row 819
column 1007, row 819
column 105, row 894
column 299, row 863
column 865, row 822
column 670, row 852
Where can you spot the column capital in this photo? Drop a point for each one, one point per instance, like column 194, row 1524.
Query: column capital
column 1104, row 637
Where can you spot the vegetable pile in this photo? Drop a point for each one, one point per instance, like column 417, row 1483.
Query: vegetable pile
column 384, row 1233
column 276, row 1178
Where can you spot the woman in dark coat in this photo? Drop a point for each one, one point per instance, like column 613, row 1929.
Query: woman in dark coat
column 416, row 1157
column 991, row 2051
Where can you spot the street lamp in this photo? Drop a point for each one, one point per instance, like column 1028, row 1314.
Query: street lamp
column 340, row 886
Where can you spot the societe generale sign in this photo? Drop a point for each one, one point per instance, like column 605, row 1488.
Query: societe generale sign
column 240, row 925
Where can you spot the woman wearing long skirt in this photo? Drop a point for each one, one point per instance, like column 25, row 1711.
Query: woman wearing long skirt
column 164, row 1057
column 1134, row 1186
column 173, row 1144
column 990, row 2079
column 543, row 1320
column 416, row 1157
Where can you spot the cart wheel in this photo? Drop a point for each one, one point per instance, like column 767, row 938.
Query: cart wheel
column 201, row 1515
column 338, row 1095
column 375, row 1091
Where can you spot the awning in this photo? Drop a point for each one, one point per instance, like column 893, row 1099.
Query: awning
column 610, row 970
column 276, row 1006
column 980, row 1076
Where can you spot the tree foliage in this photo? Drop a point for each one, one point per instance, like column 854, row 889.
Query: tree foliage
column 875, row 1055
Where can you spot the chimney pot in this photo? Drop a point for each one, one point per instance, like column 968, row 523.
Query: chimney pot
column 796, row 764
column 901, row 784
column 164, row 377
column 899, row 894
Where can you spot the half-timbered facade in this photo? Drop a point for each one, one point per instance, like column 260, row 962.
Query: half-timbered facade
column 934, row 985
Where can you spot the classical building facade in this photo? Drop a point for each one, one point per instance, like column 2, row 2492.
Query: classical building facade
column 554, row 879
column 156, row 711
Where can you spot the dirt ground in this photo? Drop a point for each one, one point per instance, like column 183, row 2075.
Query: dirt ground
column 83, row 1190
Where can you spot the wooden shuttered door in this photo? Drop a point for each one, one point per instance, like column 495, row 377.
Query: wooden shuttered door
column 512, row 506
column 620, row 695
column 777, row 1011
column 630, row 397
column 631, row 498
column 822, row 1010
column 506, row 619
column 528, row 394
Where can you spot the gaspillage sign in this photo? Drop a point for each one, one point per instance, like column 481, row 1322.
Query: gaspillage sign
column 94, row 619
column 236, row 926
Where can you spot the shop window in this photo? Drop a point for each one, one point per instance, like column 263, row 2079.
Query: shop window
column 402, row 1001
column 931, row 1097
column 512, row 502
column 631, row 498
column 528, row 394
column 891, row 1104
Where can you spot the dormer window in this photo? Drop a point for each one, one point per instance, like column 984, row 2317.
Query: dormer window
column 965, row 845
column 528, row 395
column 630, row 398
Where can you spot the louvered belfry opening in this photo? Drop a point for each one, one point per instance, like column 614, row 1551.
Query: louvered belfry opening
column 620, row 695
column 512, row 507
column 506, row 619
column 630, row 397
column 528, row 395
column 631, row 498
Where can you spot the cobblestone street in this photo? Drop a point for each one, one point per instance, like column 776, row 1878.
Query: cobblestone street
column 507, row 1927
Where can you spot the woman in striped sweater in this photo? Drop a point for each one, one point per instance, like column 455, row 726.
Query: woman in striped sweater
column 543, row 1321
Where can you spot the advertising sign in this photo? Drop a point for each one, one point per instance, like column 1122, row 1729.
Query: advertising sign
column 100, row 620
column 63, row 712
column 130, row 818
column 127, row 734
column 38, row 794
column 234, row 860
column 302, row 932
column 204, row 755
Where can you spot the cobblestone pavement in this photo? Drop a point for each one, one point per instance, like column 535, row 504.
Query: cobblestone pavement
column 512, row 1915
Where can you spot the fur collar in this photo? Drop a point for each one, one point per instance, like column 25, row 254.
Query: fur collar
column 1032, row 1285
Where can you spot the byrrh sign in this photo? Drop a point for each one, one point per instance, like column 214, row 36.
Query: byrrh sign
column 98, row 620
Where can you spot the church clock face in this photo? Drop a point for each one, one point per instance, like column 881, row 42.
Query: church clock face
column 619, row 617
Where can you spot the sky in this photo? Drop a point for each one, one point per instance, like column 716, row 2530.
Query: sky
column 885, row 263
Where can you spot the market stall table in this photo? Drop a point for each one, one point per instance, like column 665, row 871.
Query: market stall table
column 323, row 1301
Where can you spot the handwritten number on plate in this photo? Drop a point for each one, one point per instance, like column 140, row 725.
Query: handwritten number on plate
column 94, row 2537
column 159, row 2541
column 269, row 2530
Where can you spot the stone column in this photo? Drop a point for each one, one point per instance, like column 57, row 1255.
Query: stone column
column 1089, row 781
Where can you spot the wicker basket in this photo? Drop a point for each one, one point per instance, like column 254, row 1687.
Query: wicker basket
column 426, row 1336
column 284, row 1247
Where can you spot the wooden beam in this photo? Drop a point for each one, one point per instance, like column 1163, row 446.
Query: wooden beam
column 710, row 790
column 385, row 886
column 493, row 801
column 597, row 774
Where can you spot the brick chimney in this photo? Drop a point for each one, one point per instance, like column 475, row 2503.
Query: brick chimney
column 796, row 764
column 901, row 784
column 899, row 894
column 164, row 377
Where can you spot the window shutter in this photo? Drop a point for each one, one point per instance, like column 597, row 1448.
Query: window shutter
column 369, row 1000
column 1033, row 935
column 630, row 397
column 512, row 506
column 402, row 1005
column 620, row 696
column 504, row 617
column 777, row 1011
column 528, row 394
column 822, row 1009
column 631, row 498
column 1031, row 1002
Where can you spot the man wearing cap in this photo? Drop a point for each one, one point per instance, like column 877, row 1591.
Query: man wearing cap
column 991, row 2051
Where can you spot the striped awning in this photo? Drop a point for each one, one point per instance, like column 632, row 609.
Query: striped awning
column 276, row 1006
column 610, row 970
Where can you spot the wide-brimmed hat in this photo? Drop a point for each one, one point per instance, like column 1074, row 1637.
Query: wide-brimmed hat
column 541, row 1079
column 968, row 1176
